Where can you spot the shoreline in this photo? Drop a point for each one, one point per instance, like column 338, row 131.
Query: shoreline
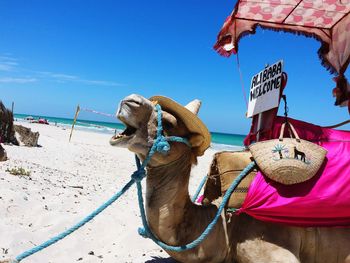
column 67, row 182
column 110, row 131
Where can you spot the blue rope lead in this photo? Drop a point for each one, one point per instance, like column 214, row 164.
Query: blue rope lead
column 146, row 232
column 76, row 226
column 194, row 198
column 161, row 144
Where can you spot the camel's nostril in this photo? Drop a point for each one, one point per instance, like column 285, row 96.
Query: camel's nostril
column 134, row 104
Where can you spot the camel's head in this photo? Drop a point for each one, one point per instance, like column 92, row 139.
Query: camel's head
column 140, row 118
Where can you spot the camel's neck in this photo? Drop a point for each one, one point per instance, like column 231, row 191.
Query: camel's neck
column 167, row 198
column 175, row 220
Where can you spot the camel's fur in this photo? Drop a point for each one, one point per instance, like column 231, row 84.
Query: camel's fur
column 177, row 221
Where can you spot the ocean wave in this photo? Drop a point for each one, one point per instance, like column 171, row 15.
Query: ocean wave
column 226, row 147
column 78, row 126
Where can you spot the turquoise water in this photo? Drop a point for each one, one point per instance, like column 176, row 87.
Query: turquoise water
column 228, row 139
column 109, row 127
column 85, row 123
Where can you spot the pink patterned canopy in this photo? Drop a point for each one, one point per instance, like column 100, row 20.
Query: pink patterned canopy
column 326, row 20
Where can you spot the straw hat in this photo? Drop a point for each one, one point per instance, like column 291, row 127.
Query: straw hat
column 200, row 136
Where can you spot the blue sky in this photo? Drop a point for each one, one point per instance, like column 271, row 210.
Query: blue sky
column 56, row 54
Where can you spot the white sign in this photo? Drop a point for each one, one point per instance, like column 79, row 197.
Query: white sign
column 265, row 89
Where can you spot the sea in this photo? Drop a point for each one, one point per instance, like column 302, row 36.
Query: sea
column 220, row 141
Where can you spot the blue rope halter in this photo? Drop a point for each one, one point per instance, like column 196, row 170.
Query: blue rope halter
column 161, row 143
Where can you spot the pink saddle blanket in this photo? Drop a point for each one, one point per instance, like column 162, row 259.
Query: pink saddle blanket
column 324, row 200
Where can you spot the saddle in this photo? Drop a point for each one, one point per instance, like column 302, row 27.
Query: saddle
column 225, row 167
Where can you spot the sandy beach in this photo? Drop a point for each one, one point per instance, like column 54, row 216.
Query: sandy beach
column 67, row 182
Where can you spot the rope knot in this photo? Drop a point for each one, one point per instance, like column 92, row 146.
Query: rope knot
column 162, row 145
column 138, row 175
column 142, row 232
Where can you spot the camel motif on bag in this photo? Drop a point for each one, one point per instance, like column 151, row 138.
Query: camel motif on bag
column 299, row 153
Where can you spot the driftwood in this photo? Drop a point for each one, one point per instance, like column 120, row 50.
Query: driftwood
column 7, row 133
column 6, row 130
column 3, row 155
column 76, row 186
column 25, row 136
column 14, row 134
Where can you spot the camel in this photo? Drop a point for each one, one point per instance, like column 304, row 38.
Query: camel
column 175, row 220
column 298, row 153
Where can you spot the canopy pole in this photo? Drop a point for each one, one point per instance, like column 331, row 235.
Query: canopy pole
column 259, row 127
column 74, row 121
column 337, row 125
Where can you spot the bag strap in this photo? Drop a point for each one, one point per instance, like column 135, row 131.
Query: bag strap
column 294, row 132
column 282, row 131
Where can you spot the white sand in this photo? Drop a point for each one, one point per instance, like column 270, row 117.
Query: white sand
column 42, row 206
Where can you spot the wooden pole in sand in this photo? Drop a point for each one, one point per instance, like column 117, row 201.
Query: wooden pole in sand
column 74, row 121
column 13, row 105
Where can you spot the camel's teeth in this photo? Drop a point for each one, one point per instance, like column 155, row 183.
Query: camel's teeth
column 118, row 136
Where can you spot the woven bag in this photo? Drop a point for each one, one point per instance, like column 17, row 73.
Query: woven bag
column 288, row 160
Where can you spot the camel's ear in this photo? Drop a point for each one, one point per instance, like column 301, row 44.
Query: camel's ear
column 194, row 106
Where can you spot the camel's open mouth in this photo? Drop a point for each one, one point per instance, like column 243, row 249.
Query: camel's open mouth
column 124, row 135
column 128, row 114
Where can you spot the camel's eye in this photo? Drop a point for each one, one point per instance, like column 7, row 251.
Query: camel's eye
column 167, row 125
